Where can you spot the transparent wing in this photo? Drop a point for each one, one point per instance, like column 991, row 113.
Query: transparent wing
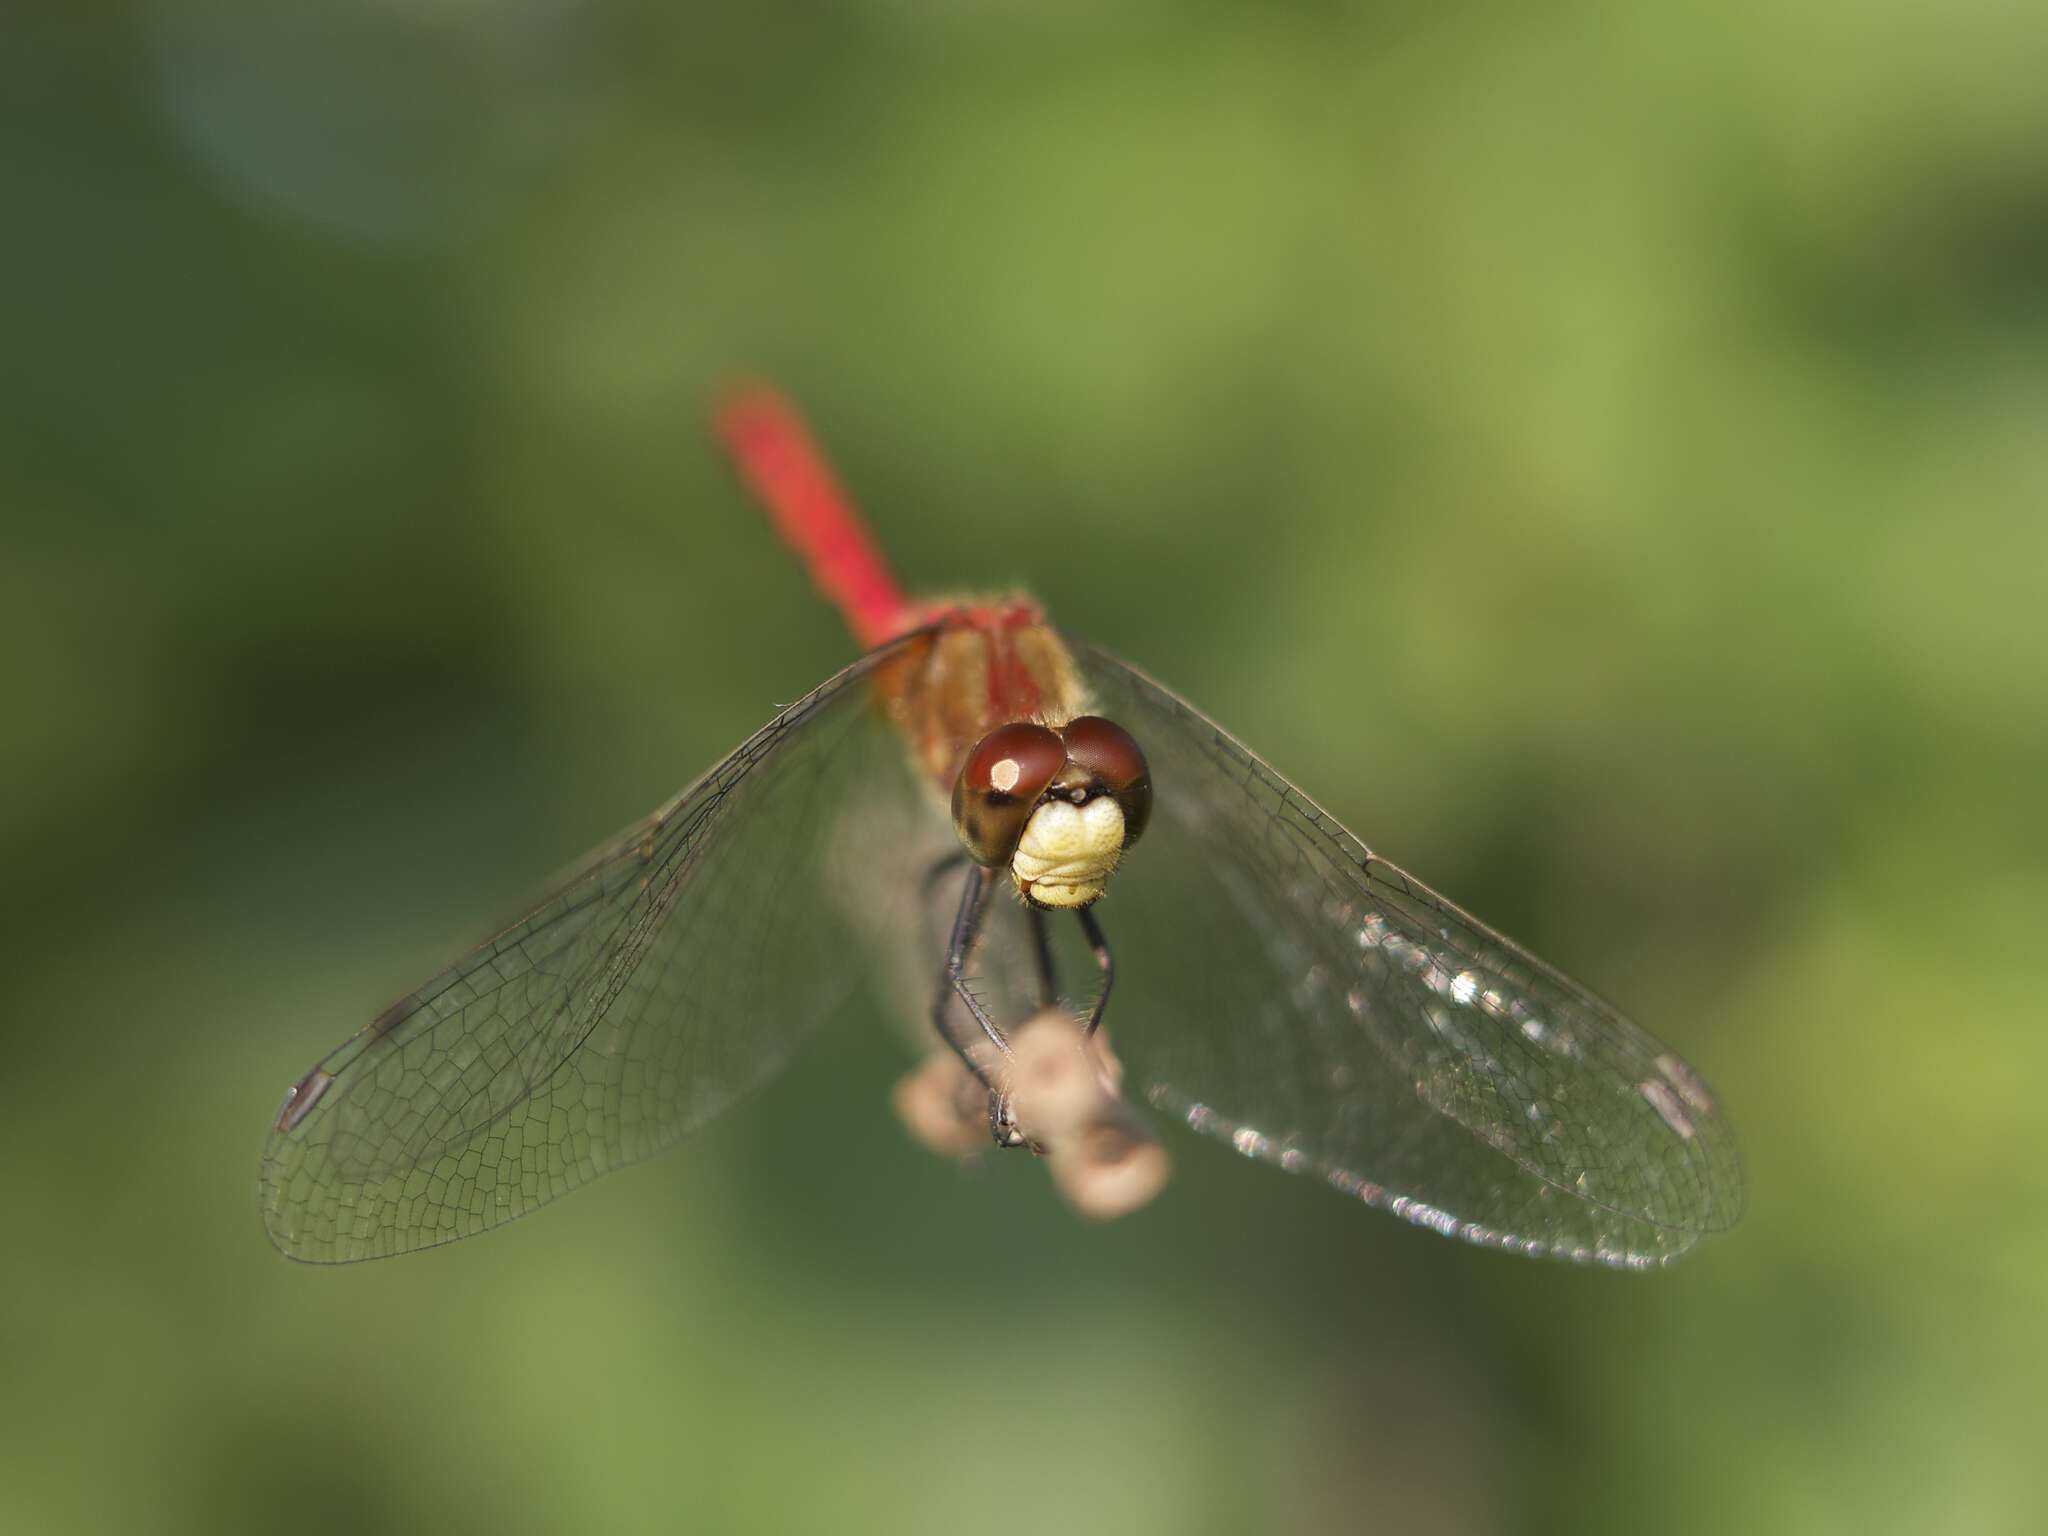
column 666, row 975
column 1282, row 988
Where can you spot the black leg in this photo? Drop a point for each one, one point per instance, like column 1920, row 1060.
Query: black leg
column 1100, row 945
column 953, row 983
column 967, row 928
column 941, row 867
column 1041, row 945
column 952, row 975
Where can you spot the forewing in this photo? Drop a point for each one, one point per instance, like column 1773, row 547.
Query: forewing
column 666, row 975
column 1282, row 988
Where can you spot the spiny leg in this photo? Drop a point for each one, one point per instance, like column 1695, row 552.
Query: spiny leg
column 1041, row 953
column 953, row 983
column 1048, row 981
column 941, row 1010
column 952, row 974
column 1103, row 958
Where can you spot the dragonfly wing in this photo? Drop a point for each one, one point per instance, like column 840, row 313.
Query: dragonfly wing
column 1297, row 996
column 663, row 977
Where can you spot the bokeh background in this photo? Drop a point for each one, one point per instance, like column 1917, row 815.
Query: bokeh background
column 1600, row 451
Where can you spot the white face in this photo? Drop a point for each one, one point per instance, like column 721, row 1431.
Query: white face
column 1068, row 851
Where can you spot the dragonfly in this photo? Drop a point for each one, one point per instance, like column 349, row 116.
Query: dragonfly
column 978, row 813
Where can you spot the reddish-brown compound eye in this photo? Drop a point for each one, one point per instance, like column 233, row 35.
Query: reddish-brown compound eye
column 1113, row 756
column 999, row 785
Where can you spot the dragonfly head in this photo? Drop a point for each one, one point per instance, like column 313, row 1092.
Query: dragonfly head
column 1057, row 807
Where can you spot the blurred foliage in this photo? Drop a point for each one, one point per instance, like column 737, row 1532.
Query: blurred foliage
column 1597, row 450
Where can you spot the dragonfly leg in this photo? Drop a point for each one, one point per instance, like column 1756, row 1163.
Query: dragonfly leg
column 1041, row 954
column 1002, row 1122
column 981, row 882
column 1103, row 958
column 953, row 976
column 953, row 979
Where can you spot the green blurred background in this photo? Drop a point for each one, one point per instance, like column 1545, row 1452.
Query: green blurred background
column 1599, row 451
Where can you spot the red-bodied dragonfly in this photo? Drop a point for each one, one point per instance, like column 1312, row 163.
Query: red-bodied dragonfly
column 973, row 813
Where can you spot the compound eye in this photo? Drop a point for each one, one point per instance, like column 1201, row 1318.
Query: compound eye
column 999, row 785
column 1113, row 756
